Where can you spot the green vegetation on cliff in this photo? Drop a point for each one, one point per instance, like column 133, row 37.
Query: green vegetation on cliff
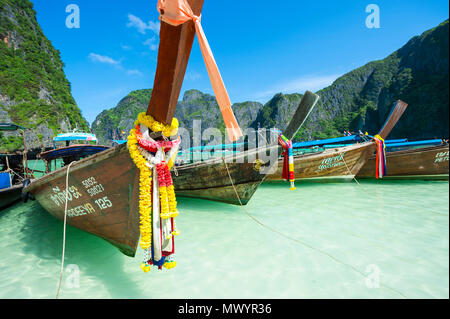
column 34, row 91
column 361, row 100
column 115, row 123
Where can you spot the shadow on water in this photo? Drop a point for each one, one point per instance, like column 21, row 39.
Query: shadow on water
column 42, row 235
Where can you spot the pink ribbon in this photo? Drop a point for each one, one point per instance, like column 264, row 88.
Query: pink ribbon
column 176, row 12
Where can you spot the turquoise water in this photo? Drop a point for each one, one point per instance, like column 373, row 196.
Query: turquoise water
column 382, row 239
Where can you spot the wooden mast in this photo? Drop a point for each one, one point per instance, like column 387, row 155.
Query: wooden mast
column 173, row 55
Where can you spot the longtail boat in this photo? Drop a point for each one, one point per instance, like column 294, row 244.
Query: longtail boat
column 12, row 182
column 103, row 193
column 340, row 162
column 113, row 194
column 219, row 179
column 412, row 160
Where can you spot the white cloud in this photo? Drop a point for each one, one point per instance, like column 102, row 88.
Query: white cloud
column 134, row 72
column 299, row 85
column 151, row 43
column 141, row 26
column 117, row 64
column 103, row 59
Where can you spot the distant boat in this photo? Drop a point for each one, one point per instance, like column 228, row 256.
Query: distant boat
column 11, row 182
column 233, row 179
column 413, row 160
column 331, row 160
column 70, row 153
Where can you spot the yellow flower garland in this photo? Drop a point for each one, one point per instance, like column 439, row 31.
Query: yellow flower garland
column 155, row 126
column 145, row 187
column 167, row 194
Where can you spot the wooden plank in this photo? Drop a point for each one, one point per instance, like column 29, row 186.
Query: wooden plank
column 309, row 100
column 173, row 56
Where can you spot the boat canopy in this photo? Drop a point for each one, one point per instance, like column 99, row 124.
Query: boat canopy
column 80, row 151
column 400, row 140
column 344, row 140
column 215, row 147
column 10, row 127
column 340, row 140
column 415, row 143
column 120, row 141
column 74, row 136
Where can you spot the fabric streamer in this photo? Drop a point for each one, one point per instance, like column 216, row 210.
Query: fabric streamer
column 288, row 160
column 381, row 157
column 176, row 12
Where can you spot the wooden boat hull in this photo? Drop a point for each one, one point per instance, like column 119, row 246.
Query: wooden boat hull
column 341, row 163
column 427, row 162
column 103, row 197
column 10, row 195
column 210, row 179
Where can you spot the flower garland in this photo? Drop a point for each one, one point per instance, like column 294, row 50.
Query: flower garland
column 155, row 126
column 152, row 146
column 168, row 204
column 145, row 194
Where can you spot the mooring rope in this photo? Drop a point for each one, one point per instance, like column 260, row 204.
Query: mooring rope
column 299, row 241
column 350, row 172
column 20, row 177
column 64, row 232
column 34, row 165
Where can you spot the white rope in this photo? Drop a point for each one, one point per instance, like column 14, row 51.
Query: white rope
column 34, row 166
column 64, row 232
column 350, row 172
column 12, row 171
column 297, row 240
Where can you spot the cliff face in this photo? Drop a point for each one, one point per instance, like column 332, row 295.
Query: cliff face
column 34, row 91
column 360, row 100
column 115, row 123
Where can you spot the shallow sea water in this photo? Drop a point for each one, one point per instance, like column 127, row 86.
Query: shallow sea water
column 380, row 239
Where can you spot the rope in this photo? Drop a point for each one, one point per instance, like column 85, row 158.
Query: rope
column 297, row 240
column 34, row 165
column 350, row 172
column 64, row 232
column 12, row 171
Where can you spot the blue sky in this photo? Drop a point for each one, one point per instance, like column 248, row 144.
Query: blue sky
column 261, row 47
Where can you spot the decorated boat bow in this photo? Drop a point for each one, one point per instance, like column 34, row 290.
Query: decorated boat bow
column 157, row 202
column 152, row 149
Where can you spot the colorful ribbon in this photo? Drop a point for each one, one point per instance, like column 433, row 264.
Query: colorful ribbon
column 176, row 12
column 152, row 146
column 381, row 157
column 288, row 160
